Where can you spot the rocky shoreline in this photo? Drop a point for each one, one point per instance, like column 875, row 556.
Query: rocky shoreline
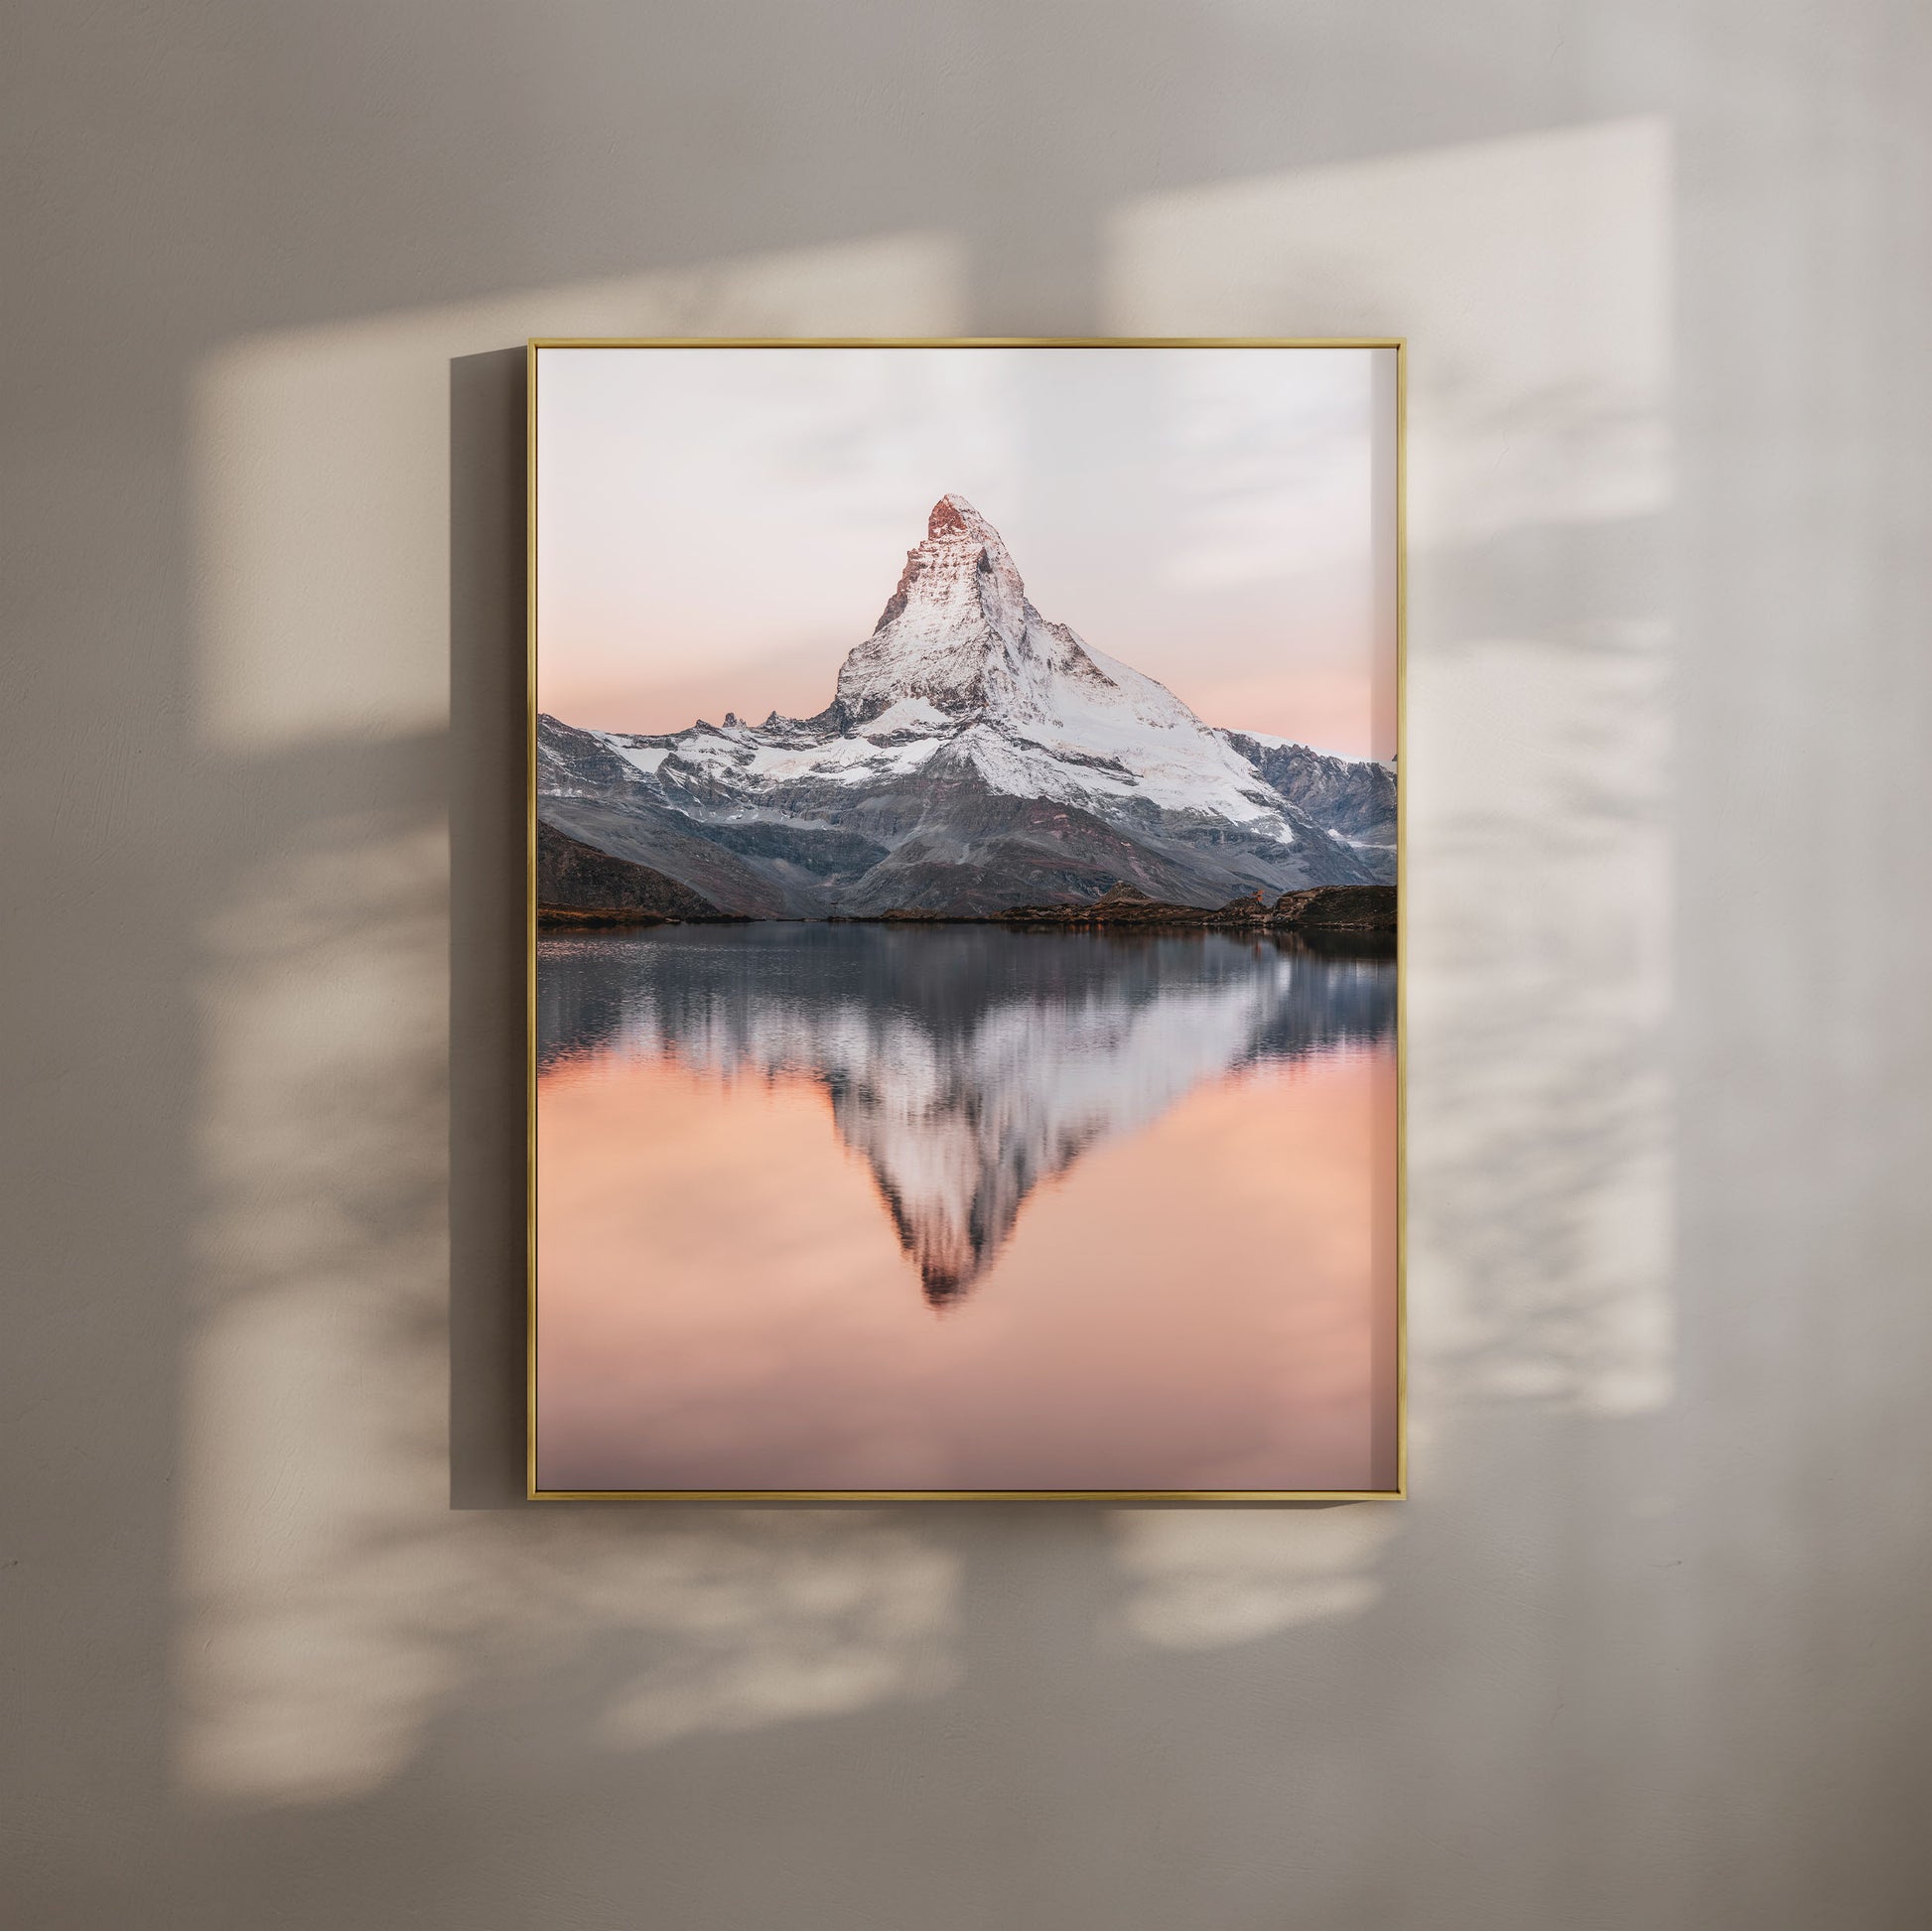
column 1320, row 909
column 1365, row 913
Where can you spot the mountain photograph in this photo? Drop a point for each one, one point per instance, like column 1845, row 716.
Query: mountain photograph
column 905, row 981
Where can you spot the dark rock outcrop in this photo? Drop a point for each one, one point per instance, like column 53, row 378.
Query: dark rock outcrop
column 1338, row 909
column 1127, row 905
column 579, row 884
column 1324, row 908
column 669, row 844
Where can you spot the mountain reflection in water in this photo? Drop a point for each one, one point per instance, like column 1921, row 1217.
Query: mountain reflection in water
column 965, row 1064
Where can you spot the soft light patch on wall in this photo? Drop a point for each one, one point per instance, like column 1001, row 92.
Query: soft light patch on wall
column 322, row 471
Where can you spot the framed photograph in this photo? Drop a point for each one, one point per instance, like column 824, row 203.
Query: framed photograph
column 964, row 866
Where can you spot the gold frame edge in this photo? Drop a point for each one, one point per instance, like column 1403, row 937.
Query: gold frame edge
column 532, row 1492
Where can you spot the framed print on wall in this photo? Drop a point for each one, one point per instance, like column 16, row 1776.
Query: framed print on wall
column 965, row 1032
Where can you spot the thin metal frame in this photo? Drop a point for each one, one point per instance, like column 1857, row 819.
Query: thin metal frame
column 1400, row 1491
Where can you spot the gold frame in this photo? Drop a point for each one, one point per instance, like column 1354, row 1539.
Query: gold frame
column 1400, row 1491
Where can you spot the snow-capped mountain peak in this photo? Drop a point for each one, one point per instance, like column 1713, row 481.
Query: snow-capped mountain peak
column 960, row 633
column 975, row 755
column 961, row 644
column 954, row 631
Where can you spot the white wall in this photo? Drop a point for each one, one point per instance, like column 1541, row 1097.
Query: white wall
column 1645, row 1649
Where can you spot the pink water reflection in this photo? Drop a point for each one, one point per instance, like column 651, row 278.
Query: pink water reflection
column 1205, row 1302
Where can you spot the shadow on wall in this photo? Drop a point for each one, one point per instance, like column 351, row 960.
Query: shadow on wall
column 355, row 1366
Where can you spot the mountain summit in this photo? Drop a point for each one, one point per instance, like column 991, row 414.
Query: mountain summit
column 974, row 756
column 959, row 633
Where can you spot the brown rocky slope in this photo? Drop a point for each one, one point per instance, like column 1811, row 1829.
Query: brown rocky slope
column 577, row 884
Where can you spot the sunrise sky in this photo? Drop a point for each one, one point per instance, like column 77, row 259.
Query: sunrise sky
column 718, row 527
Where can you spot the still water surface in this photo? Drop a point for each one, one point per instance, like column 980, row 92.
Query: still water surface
column 830, row 1207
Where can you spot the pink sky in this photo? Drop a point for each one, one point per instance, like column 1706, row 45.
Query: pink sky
column 718, row 527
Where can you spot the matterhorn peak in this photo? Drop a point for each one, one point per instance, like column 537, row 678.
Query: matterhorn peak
column 955, row 630
column 953, row 515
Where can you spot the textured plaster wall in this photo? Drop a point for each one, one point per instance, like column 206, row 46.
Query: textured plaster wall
column 1646, row 1648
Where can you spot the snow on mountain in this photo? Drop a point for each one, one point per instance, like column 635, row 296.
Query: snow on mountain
column 963, row 704
column 1353, row 796
column 1046, row 715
